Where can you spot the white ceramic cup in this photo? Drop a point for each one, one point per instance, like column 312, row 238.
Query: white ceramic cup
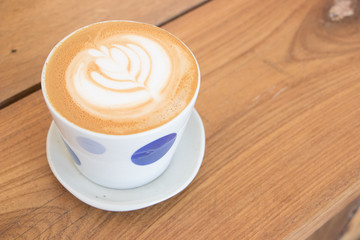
column 121, row 161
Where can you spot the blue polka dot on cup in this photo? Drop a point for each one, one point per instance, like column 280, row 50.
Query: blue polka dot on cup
column 75, row 158
column 90, row 145
column 153, row 151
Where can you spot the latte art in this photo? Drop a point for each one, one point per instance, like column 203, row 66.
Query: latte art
column 121, row 76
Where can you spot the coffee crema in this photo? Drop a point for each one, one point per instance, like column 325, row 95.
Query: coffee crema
column 120, row 77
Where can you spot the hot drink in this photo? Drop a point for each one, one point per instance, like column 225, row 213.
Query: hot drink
column 120, row 77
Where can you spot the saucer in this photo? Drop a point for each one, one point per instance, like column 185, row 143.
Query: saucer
column 180, row 173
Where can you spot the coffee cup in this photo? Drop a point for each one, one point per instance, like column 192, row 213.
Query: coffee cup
column 121, row 94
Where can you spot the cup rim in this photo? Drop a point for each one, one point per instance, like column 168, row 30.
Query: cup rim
column 98, row 134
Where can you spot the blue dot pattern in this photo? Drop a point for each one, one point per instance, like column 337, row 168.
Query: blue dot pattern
column 75, row 158
column 90, row 145
column 153, row 151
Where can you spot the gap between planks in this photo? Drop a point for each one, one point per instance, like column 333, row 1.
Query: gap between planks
column 36, row 87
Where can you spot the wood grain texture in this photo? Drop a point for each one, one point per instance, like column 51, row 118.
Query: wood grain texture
column 280, row 101
column 30, row 29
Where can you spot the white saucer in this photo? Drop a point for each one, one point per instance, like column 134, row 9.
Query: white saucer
column 182, row 170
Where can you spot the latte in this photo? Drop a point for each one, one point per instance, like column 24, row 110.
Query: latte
column 120, row 77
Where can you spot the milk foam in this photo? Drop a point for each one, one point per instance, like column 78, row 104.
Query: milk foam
column 120, row 77
column 123, row 74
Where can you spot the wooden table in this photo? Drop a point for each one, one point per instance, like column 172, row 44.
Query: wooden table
column 279, row 99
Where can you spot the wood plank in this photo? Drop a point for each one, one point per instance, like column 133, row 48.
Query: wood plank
column 30, row 29
column 280, row 103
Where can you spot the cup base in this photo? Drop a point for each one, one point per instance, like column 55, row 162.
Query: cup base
column 180, row 173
